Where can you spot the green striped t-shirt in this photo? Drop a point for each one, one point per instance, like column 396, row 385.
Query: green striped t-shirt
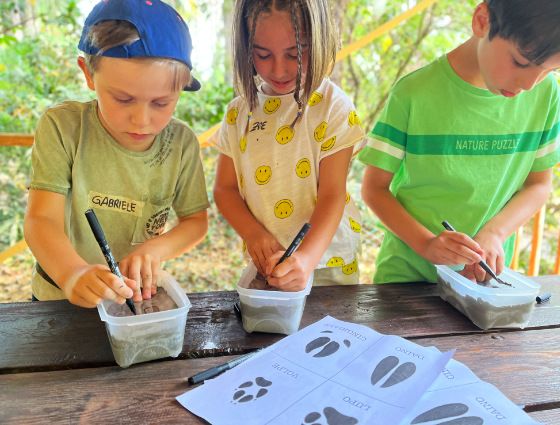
column 458, row 153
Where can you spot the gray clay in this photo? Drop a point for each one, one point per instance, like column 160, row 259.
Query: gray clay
column 151, row 345
column 159, row 302
column 484, row 314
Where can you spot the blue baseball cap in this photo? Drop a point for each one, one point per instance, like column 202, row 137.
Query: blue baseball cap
column 163, row 32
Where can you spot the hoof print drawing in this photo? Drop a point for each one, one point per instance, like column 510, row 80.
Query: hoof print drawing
column 328, row 346
column 401, row 373
column 249, row 391
column 451, row 411
column 332, row 417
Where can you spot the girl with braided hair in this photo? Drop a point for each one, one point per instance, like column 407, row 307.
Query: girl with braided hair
column 286, row 143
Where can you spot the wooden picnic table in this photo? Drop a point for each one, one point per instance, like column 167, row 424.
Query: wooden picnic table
column 56, row 365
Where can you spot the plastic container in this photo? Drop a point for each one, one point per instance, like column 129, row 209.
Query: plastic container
column 490, row 305
column 136, row 339
column 270, row 311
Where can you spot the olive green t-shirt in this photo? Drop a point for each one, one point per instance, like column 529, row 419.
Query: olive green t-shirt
column 458, row 153
column 132, row 193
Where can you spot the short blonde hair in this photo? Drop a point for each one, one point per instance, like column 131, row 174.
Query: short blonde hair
column 311, row 20
column 108, row 34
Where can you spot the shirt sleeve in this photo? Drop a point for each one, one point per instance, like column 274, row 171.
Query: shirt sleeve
column 228, row 134
column 51, row 157
column 191, row 195
column 548, row 153
column 386, row 143
column 343, row 127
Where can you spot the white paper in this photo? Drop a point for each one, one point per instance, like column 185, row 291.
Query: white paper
column 472, row 404
column 342, row 372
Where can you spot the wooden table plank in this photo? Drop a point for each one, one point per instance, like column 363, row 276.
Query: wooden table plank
column 57, row 335
column 104, row 395
column 524, row 365
column 146, row 393
column 549, row 417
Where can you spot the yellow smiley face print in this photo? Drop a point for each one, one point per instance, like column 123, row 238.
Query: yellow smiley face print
column 283, row 208
column 303, row 168
column 354, row 225
column 350, row 267
column 335, row 262
column 319, row 132
column 347, row 198
column 263, row 174
column 231, row 116
column 243, row 144
column 315, row 98
column 329, row 144
column 271, row 105
column 284, row 134
column 353, row 119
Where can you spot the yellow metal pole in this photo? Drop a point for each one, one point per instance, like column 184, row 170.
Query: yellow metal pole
column 383, row 29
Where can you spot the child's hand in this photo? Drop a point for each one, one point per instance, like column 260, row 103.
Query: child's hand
column 290, row 275
column 94, row 283
column 493, row 256
column 261, row 246
column 144, row 269
column 453, row 248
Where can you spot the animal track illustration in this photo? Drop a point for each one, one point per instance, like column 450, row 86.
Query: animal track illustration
column 401, row 373
column 333, row 417
column 248, row 391
column 329, row 346
column 451, row 411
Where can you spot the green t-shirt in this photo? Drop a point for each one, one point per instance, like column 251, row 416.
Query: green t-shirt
column 458, row 153
column 132, row 193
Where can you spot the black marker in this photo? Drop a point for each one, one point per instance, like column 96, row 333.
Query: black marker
column 100, row 238
column 216, row 370
column 544, row 297
column 296, row 242
column 482, row 263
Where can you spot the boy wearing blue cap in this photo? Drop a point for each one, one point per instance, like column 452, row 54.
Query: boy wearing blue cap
column 472, row 139
column 122, row 155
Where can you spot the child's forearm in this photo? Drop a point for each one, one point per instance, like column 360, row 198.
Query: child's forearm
column 399, row 221
column 324, row 221
column 236, row 212
column 522, row 206
column 49, row 245
column 183, row 237
column 376, row 195
column 331, row 198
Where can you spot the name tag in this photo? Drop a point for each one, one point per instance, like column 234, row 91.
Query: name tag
column 116, row 203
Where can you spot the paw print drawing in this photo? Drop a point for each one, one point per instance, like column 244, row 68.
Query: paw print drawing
column 333, row 417
column 400, row 374
column 453, row 411
column 249, row 391
column 327, row 345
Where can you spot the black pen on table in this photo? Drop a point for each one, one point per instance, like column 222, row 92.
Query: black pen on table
column 217, row 370
column 100, row 238
column 482, row 263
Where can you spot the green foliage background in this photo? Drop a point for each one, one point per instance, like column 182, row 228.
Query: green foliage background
column 38, row 69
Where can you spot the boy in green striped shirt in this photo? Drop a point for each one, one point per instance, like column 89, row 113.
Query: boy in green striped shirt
column 472, row 139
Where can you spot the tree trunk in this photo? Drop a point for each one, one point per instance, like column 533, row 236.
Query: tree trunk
column 338, row 8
